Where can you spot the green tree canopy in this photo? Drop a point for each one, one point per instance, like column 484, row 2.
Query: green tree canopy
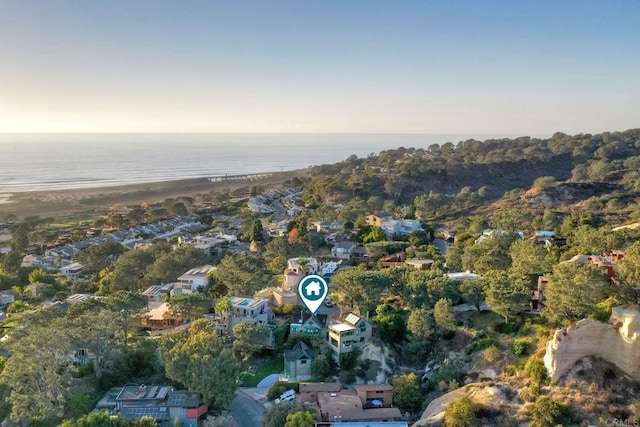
column 241, row 275
column 406, row 393
column 352, row 287
column 201, row 361
column 573, row 291
column 249, row 339
column 444, row 315
column 461, row 413
column 505, row 295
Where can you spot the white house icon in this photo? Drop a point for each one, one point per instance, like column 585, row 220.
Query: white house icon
column 313, row 288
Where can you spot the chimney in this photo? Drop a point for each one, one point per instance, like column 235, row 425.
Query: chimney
column 337, row 416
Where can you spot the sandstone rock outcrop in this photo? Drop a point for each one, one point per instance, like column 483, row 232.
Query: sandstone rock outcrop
column 489, row 396
column 617, row 342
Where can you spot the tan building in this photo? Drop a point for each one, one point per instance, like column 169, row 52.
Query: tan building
column 277, row 296
column 309, row 391
column 375, row 393
column 347, row 405
column 344, row 335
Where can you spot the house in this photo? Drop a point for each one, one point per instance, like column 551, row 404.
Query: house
column 378, row 219
column 164, row 404
column 297, row 268
column 328, row 226
column 77, row 298
column 302, row 265
column 193, row 280
column 210, row 246
column 158, row 292
column 253, row 310
column 419, row 264
column 375, row 392
column 343, row 250
column 297, row 361
column 463, row 275
column 277, row 296
column 537, row 295
column 159, row 317
column 6, row 298
column 72, row 272
column 309, row 391
column 351, row 404
column 346, row 333
column 309, row 324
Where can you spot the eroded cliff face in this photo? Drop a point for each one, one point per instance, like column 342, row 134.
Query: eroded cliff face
column 617, row 342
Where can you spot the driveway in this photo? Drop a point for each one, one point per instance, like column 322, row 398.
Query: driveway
column 246, row 411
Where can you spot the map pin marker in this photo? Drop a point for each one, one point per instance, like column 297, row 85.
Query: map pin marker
column 313, row 290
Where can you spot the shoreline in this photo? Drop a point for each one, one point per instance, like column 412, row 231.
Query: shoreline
column 94, row 200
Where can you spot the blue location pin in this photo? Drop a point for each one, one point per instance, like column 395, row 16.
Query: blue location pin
column 313, row 290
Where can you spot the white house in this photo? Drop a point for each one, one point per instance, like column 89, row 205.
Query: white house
column 72, row 271
column 192, row 280
column 302, row 265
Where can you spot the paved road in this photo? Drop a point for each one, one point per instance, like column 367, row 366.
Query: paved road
column 246, row 412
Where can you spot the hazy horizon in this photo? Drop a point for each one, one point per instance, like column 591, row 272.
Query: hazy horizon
column 457, row 67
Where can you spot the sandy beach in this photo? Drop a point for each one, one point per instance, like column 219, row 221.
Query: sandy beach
column 101, row 199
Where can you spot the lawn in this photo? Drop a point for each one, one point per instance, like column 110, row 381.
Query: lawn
column 266, row 366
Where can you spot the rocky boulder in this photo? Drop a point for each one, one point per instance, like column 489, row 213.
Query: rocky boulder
column 616, row 342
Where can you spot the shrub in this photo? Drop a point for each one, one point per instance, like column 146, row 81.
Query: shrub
column 536, row 371
column 520, row 347
column 461, row 413
column 547, row 412
column 491, row 354
column 481, row 344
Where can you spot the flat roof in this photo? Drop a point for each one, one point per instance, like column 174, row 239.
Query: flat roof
column 348, row 406
column 373, row 387
column 341, row 327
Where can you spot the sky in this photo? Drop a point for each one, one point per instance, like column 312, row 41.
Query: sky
column 529, row 67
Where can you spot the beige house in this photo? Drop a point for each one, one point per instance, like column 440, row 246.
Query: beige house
column 277, row 296
column 344, row 335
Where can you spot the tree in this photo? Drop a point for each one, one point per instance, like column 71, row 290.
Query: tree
column 193, row 305
column 320, row 367
column 420, row 324
column 547, row 412
column 506, row 296
column 473, row 292
column 528, row 258
column 406, row 393
column 127, row 308
column 249, row 339
column 573, row 291
column 276, row 415
column 444, row 315
column 629, row 270
column 36, row 374
column 461, row 413
column 167, row 267
column 351, row 287
column 390, row 324
column 241, row 275
column 301, row 419
column 275, row 255
column 255, row 232
column 98, row 257
column 201, row 361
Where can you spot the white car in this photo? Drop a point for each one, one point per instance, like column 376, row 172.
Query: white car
column 286, row 396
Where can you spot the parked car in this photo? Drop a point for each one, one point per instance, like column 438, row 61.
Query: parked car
column 286, row 396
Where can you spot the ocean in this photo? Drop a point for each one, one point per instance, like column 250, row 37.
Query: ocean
column 36, row 162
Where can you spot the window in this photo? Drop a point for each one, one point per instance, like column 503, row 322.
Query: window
column 303, row 361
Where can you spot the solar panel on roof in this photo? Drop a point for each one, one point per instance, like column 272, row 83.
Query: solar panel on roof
column 163, row 392
column 152, row 391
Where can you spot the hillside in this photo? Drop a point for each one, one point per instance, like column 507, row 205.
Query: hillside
column 454, row 178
